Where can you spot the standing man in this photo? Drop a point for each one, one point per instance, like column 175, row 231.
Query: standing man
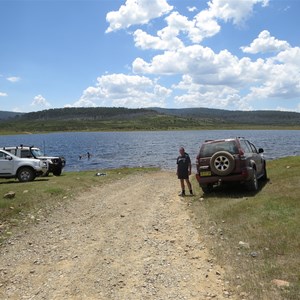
column 184, row 169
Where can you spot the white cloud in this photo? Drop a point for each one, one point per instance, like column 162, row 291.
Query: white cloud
column 191, row 8
column 281, row 79
column 265, row 43
column 206, row 21
column 279, row 85
column 82, row 102
column 13, row 79
column 224, row 78
column 236, row 11
column 290, row 56
column 3, row 94
column 203, row 25
column 198, row 95
column 124, row 90
column 199, row 62
column 136, row 12
column 167, row 38
column 209, row 79
column 40, row 102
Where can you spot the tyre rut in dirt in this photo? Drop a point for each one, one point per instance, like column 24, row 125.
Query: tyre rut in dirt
column 222, row 163
column 26, row 174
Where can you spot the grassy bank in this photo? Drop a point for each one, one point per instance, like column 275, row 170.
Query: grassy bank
column 149, row 123
column 256, row 236
column 35, row 200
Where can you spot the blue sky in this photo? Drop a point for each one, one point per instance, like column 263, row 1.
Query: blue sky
column 228, row 54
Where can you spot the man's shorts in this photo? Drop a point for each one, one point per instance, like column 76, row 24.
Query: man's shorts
column 183, row 174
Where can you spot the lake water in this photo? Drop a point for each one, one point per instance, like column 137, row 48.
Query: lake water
column 159, row 148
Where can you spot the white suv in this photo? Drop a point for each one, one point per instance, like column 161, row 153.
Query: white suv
column 56, row 163
column 25, row 169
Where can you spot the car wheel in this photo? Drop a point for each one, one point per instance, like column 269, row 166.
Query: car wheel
column 265, row 176
column 25, row 174
column 57, row 172
column 222, row 163
column 207, row 188
column 252, row 184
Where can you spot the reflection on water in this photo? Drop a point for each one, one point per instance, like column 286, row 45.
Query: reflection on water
column 158, row 149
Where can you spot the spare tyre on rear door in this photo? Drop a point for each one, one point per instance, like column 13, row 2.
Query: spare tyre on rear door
column 222, row 163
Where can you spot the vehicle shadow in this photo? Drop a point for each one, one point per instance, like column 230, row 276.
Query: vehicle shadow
column 231, row 190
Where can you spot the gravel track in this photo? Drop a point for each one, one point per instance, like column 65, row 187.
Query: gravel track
column 131, row 239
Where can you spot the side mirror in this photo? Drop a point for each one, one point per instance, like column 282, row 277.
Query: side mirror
column 260, row 150
column 8, row 157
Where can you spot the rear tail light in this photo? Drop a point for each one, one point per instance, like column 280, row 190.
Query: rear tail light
column 241, row 153
column 244, row 172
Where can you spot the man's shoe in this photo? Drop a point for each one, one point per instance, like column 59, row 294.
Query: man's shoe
column 182, row 194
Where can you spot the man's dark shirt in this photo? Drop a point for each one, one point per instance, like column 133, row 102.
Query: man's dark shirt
column 183, row 163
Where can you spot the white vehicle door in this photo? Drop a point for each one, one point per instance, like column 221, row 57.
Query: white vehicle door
column 6, row 164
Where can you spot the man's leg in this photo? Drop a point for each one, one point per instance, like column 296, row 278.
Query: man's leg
column 182, row 187
column 189, row 186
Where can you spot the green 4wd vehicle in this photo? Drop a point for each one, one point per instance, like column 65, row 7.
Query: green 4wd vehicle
column 56, row 163
column 230, row 160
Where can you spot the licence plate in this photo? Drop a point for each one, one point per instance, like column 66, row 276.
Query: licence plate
column 205, row 173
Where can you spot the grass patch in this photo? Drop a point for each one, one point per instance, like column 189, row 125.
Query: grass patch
column 35, row 200
column 267, row 222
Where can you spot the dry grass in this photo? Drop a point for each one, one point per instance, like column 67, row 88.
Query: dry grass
column 268, row 221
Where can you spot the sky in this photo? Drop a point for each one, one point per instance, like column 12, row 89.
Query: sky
column 225, row 54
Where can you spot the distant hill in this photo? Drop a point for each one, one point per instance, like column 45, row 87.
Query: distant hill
column 120, row 118
column 88, row 113
column 4, row 115
column 259, row 117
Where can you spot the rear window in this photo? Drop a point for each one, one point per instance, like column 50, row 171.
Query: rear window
column 12, row 151
column 211, row 148
column 25, row 153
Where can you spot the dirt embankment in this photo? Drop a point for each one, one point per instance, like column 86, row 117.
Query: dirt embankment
column 132, row 239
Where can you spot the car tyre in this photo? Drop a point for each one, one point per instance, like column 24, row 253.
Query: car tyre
column 57, row 172
column 25, row 174
column 222, row 163
column 252, row 184
column 207, row 188
column 265, row 176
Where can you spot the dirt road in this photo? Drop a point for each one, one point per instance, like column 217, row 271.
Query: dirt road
column 132, row 239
